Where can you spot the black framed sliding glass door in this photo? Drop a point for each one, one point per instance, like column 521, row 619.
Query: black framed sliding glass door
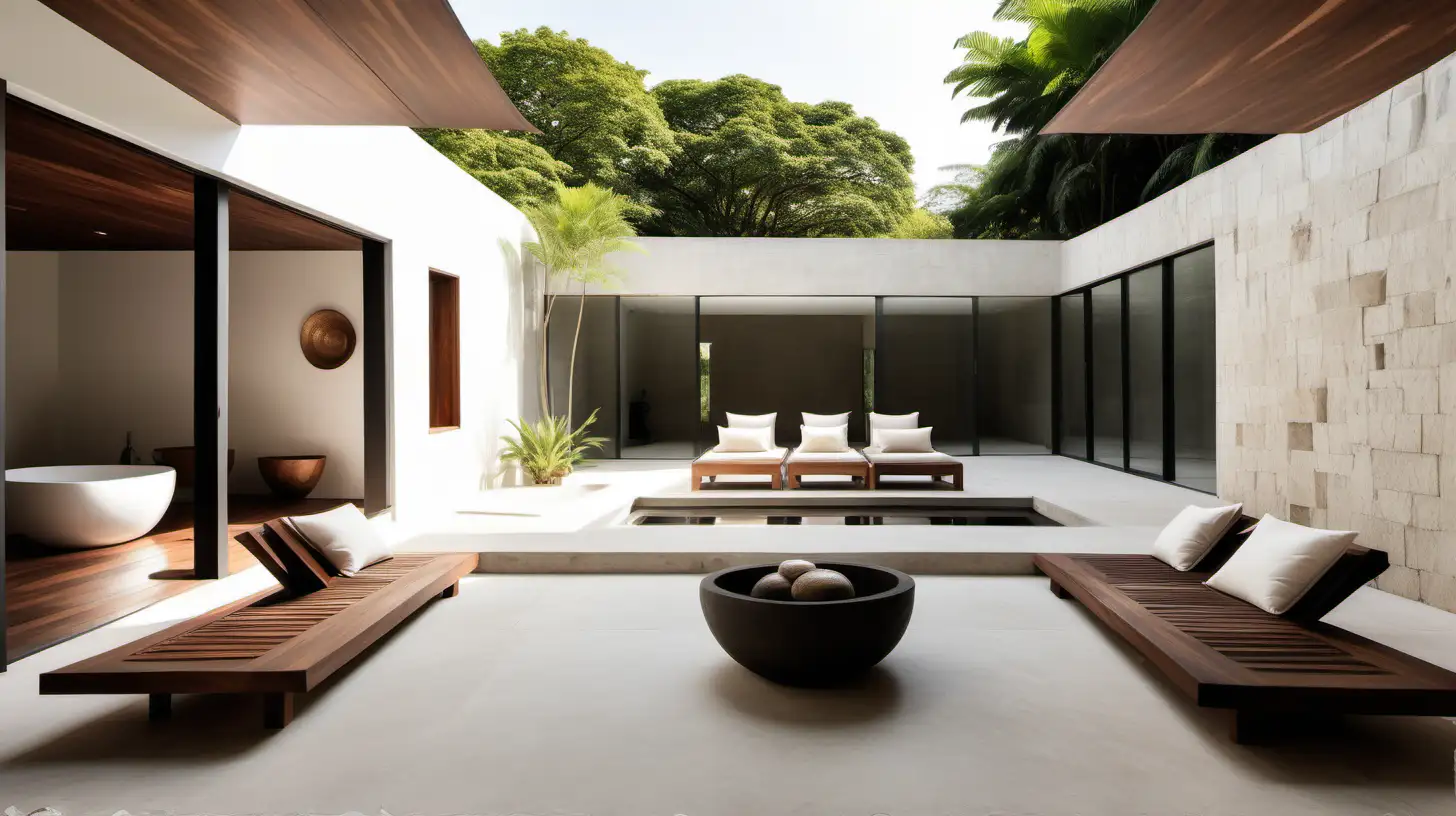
column 1136, row 365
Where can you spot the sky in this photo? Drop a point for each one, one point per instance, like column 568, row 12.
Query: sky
column 885, row 57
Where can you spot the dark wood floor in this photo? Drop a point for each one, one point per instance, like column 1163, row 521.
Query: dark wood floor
column 52, row 595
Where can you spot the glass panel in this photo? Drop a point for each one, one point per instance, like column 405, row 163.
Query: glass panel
column 595, row 385
column 1074, row 377
column 927, row 364
column 1145, row 368
column 786, row 355
column 1014, row 375
column 1195, row 377
column 1107, row 372
column 659, row 382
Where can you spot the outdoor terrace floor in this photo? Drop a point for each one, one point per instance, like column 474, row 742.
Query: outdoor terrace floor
column 606, row 694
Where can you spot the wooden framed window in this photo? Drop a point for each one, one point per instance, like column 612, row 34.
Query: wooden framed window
column 444, row 351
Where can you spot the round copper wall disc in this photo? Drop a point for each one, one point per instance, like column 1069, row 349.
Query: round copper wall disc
column 327, row 339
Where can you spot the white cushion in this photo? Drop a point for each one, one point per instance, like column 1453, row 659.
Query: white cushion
column 824, row 440
column 879, row 457
column 1279, row 563
column 905, row 440
column 826, row 420
column 1192, row 533
column 850, row 456
column 345, row 537
column 755, row 421
column 744, row 440
column 768, row 457
column 895, row 421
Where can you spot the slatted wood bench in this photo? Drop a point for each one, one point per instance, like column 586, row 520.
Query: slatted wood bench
column 1224, row 653
column 274, row 643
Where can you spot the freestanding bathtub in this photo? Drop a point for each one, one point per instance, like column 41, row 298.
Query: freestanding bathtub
column 82, row 506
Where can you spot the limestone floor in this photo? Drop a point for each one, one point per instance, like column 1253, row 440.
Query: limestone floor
column 606, row 695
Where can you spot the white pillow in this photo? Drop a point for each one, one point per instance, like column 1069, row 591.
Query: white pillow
column 1192, row 533
column 826, row 420
column 892, row 421
column 905, row 440
column 755, row 421
column 1279, row 563
column 345, row 537
column 744, row 440
column 824, row 440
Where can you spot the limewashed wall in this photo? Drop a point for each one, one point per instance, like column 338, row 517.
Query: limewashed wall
column 1336, row 286
column 100, row 343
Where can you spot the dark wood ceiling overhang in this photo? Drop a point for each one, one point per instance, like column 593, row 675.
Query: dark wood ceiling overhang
column 69, row 188
column 309, row 62
column 1278, row 66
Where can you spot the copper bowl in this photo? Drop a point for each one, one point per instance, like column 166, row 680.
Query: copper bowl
column 292, row 477
column 183, row 459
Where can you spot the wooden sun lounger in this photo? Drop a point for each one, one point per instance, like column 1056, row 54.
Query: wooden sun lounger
column 705, row 467
column 274, row 643
column 1224, row 653
column 856, row 468
column 939, row 470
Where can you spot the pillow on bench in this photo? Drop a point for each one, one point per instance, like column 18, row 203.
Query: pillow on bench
column 1279, row 563
column 345, row 537
column 1192, row 533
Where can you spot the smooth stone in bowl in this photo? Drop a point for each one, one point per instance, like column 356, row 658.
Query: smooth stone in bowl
column 773, row 586
column 822, row 585
column 795, row 567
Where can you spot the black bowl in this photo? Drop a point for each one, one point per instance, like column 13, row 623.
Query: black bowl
column 808, row 643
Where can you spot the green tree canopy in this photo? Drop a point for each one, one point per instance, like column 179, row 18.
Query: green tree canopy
column 922, row 223
column 594, row 112
column 516, row 169
column 749, row 162
column 1061, row 185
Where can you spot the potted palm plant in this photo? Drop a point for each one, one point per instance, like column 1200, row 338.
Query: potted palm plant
column 576, row 229
column 548, row 449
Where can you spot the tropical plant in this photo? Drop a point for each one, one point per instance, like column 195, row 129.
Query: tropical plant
column 576, row 229
column 749, row 162
column 549, row 449
column 1058, row 186
column 922, row 223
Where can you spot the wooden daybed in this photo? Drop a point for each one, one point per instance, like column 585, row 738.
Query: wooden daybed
column 1224, row 653
column 713, row 464
column 940, row 467
column 851, row 463
column 276, row 643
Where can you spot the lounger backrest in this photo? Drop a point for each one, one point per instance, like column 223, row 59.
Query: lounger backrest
column 1356, row 567
column 287, row 556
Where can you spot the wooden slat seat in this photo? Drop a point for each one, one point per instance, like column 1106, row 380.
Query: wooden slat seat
column 271, row 643
column 1224, row 653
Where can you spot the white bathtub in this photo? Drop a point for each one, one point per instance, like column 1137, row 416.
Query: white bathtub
column 81, row 506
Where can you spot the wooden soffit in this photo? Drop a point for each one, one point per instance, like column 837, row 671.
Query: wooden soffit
column 71, row 189
column 1281, row 66
column 309, row 62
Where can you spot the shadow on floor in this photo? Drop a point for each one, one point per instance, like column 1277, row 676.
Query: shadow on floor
column 877, row 695
column 1337, row 751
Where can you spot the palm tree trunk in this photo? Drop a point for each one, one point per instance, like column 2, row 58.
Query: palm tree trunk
column 571, row 377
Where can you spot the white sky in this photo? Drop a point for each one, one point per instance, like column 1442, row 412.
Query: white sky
column 885, row 57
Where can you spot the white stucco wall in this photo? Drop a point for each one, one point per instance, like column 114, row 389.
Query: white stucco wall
column 382, row 181
column 835, row 266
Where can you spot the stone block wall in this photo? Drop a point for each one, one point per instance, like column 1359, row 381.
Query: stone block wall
column 1336, row 276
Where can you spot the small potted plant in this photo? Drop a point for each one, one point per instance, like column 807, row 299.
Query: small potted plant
column 548, row 450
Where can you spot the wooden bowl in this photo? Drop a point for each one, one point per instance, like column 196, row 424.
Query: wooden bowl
column 292, row 477
column 183, row 459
